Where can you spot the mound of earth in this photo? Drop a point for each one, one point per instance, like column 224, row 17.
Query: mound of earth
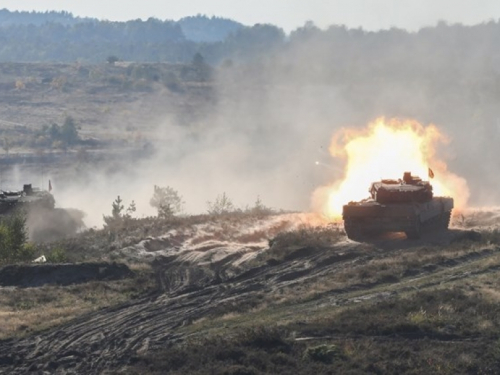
column 208, row 282
column 61, row 274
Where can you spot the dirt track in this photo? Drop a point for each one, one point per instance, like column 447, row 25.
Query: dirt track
column 110, row 339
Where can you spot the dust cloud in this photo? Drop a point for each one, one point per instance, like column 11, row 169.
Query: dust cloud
column 263, row 128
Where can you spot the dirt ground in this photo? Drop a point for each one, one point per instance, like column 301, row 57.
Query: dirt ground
column 288, row 284
column 388, row 305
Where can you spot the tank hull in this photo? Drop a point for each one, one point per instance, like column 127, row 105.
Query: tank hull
column 369, row 218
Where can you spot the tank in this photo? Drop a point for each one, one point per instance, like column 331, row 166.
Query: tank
column 27, row 198
column 404, row 205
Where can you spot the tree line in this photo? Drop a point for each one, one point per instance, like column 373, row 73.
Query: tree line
column 64, row 38
column 58, row 36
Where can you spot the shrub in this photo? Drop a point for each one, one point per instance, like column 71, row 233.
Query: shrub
column 116, row 213
column 112, row 59
column 259, row 208
column 57, row 255
column 222, row 205
column 58, row 136
column 13, row 240
column 27, row 252
column 307, row 236
column 322, row 353
column 167, row 201
column 264, row 337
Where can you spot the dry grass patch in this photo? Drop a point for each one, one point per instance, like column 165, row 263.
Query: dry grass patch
column 426, row 264
column 284, row 244
column 32, row 309
column 404, row 336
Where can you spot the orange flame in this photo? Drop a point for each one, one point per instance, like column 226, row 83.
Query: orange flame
column 387, row 149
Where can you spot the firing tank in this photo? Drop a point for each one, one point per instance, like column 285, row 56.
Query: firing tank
column 28, row 198
column 403, row 205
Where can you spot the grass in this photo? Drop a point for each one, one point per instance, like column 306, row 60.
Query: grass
column 328, row 295
column 454, row 312
column 24, row 311
column 440, row 332
column 490, row 236
column 333, row 292
column 374, row 271
column 439, row 313
column 283, row 245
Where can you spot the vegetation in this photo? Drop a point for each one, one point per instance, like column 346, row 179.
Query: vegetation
column 57, row 255
column 167, row 201
column 118, row 218
column 285, row 242
column 405, row 336
column 205, row 29
column 13, row 240
column 58, row 36
column 332, row 52
column 57, row 136
column 222, row 205
column 308, row 307
column 383, row 308
column 27, row 310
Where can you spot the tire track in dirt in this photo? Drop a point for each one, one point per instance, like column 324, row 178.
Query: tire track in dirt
column 110, row 339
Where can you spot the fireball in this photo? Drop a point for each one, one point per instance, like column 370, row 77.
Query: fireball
column 387, row 149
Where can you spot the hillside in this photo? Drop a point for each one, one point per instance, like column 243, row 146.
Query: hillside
column 60, row 36
column 312, row 300
column 237, row 126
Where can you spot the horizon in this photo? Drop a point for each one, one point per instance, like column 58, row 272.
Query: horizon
column 288, row 15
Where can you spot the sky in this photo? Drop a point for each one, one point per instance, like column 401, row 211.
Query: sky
column 288, row 14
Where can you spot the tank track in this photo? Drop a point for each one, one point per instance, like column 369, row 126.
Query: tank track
column 438, row 223
column 356, row 232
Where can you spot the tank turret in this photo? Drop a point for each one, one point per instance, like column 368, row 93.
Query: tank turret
column 27, row 198
column 408, row 189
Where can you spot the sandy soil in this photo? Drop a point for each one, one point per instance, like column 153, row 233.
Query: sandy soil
column 200, row 273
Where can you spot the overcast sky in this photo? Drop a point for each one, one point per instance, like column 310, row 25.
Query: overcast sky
column 288, row 14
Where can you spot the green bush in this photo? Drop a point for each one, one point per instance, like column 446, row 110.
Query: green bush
column 57, row 255
column 13, row 240
column 27, row 252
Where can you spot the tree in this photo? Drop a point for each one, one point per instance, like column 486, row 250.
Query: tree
column 116, row 213
column 117, row 208
column 130, row 210
column 260, row 209
column 167, row 201
column 13, row 240
column 198, row 60
column 221, row 205
column 69, row 132
column 60, row 136
column 201, row 68
column 112, row 59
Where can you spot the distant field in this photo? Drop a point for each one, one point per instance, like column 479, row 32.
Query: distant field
column 107, row 102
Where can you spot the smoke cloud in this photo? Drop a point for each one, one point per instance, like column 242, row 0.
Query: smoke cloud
column 263, row 127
